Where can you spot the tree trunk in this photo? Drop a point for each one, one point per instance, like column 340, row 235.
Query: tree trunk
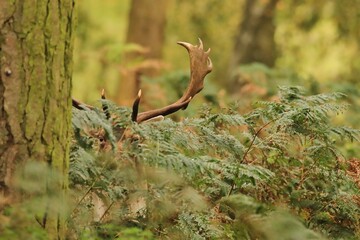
column 255, row 40
column 147, row 21
column 36, row 45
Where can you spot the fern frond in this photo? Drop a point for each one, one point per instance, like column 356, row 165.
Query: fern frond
column 346, row 132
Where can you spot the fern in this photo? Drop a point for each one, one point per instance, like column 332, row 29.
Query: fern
column 281, row 153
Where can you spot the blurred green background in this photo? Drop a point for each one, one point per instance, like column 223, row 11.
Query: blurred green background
column 256, row 46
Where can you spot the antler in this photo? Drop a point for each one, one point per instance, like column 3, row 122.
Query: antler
column 200, row 66
column 80, row 105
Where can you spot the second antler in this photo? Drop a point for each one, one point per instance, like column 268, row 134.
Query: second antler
column 200, row 66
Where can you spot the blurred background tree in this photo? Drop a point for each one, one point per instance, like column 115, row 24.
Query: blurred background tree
column 255, row 40
column 312, row 43
column 146, row 29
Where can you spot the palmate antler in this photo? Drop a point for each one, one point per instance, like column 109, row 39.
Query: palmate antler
column 200, row 66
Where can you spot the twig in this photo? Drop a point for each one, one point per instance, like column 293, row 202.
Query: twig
column 248, row 150
column 83, row 197
column 106, row 211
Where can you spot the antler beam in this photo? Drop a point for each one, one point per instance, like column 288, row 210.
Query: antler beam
column 200, row 66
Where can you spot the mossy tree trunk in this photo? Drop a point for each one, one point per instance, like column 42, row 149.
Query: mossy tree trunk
column 36, row 45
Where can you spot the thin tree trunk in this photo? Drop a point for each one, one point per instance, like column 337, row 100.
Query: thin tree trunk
column 36, row 45
column 147, row 21
column 255, row 39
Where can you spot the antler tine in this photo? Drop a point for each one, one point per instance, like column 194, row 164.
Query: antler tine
column 185, row 44
column 200, row 66
column 208, row 51
column 210, row 64
column 103, row 94
column 104, row 105
column 80, row 105
column 201, row 46
column 135, row 107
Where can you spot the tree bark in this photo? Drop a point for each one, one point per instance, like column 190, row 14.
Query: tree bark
column 36, row 45
column 255, row 39
column 147, row 22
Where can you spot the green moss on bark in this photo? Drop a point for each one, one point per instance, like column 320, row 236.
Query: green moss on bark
column 35, row 87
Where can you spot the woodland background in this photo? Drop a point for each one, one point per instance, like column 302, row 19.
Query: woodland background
column 316, row 39
column 314, row 44
column 269, row 149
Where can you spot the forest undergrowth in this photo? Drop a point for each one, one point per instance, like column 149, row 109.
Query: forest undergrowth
column 276, row 172
column 273, row 173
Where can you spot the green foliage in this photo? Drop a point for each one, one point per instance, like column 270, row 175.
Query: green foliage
column 302, row 140
column 218, row 176
column 317, row 39
column 35, row 198
column 273, row 173
column 253, row 221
